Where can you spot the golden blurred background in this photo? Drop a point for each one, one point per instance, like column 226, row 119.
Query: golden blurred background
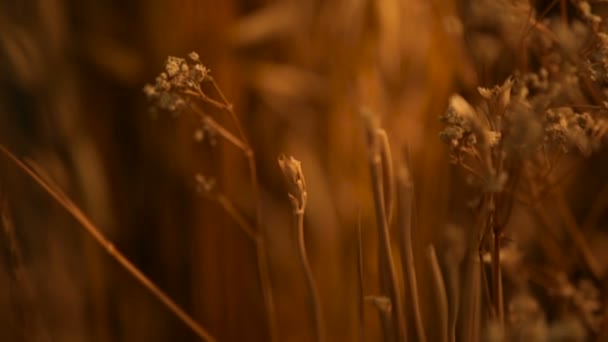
column 296, row 71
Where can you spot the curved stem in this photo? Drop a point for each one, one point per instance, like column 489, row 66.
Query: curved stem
column 315, row 301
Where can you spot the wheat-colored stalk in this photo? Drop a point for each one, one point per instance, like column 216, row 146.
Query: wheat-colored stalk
column 64, row 201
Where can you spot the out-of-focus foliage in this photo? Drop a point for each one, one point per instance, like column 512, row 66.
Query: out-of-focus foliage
column 296, row 73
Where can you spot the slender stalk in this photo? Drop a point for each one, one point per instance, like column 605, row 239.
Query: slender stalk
column 261, row 257
column 360, row 289
column 387, row 175
column 294, row 179
column 406, row 207
column 497, row 279
column 454, row 284
column 386, row 255
column 315, row 300
column 64, row 201
column 440, row 291
column 470, row 318
column 256, row 234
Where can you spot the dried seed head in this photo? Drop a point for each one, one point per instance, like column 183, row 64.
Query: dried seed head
column 180, row 80
column 204, row 185
column 294, row 179
column 498, row 97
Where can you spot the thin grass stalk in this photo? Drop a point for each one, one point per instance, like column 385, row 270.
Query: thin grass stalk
column 360, row 288
column 256, row 234
column 406, row 207
column 471, row 315
column 390, row 283
column 315, row 300
column 454, row 284
column 497, row 279
column 387, row 175
column 441, row 294
column 261, row 259
column 64, row 201
column 294, row 178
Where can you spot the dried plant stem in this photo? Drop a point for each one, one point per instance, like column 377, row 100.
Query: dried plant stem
column 315, row 302
column 386, row 259
column 440, row 291
column 471, row 316
column 497, row 279
column 256, row 234
column 360, row 288
column 96, row 234
column 237, row 216
column 406, row 208
column 453, row 275
column 387, row 176
column 261, row 257
column 493, row 229
column 294, row 179
column 26, row 314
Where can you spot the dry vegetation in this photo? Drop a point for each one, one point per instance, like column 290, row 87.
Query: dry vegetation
column 448, row 180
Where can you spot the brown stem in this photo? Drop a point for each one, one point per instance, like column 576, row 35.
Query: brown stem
column 440, row 291
column 386, row 257
column 256, row 234
column 64, row 201
column 388, row 178
column 406, row 206
column 360, row 289
column 261, row 259
column 497, row 278
column 315, row 301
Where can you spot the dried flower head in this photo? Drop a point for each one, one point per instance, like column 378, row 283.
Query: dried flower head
column 204, row 185
column 294, row 179
column 182, row 77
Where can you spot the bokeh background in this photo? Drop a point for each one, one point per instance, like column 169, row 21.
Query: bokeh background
column 71, row 79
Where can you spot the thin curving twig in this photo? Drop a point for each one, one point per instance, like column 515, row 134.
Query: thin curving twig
column 64, row 201
column 390, row 282
column 406, row 207
column 440, row 291
column 294, row 178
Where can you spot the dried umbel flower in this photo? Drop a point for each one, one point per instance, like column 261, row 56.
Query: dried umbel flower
column 181, row 77
column 498, row 97
column 458, row 133
column 565, row 128
column 294, row 178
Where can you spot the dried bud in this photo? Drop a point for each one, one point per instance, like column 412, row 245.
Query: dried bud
column 204, row 185
column 294, row 178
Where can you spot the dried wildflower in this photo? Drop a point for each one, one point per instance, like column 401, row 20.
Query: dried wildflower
column 204, row 185
column 181, row 79
column 458, row 133
column 498, row 97
column 294, row 178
